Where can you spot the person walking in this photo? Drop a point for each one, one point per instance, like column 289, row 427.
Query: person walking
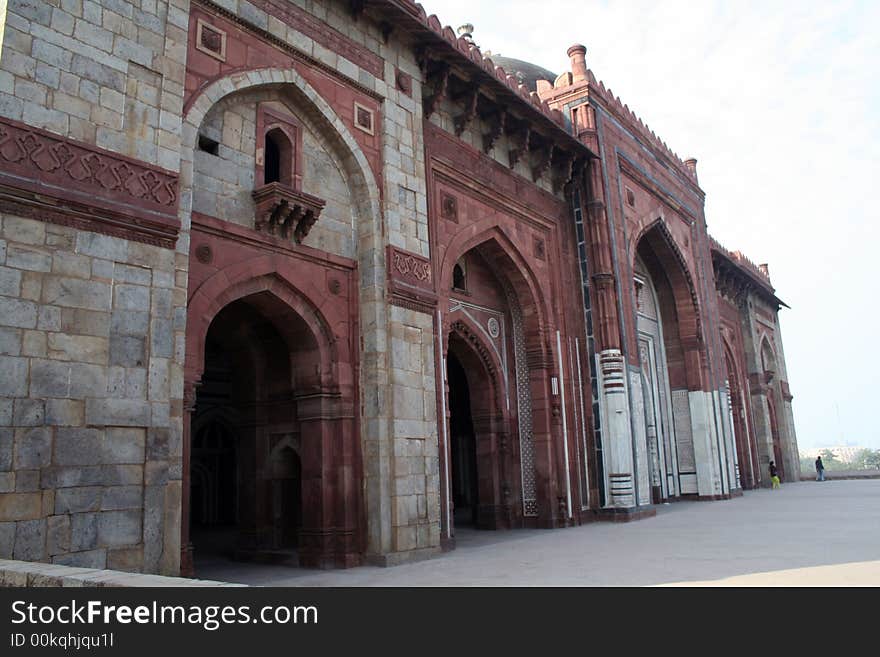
column 820, row 469
column 774, row 475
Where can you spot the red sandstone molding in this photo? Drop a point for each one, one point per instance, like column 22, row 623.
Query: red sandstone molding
column 250, row 49
column 750, row 275
column 504, row 189
column 266, row 242
column 410, row 280
column 51, row 178
column 786, row 391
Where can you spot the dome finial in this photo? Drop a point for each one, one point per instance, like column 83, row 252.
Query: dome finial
column 466, row 31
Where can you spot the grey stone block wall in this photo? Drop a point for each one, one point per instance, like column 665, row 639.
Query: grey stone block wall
column 88, row 425
column 105, row 73
column 91, row 326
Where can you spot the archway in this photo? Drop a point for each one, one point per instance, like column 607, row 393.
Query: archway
column 495, row 324
column 334, row 410
column 668, row 329
column 659, row 431
column 746, row 450
column 285, row 463
column 246, row 499
column 774, row 434
column 768, row 362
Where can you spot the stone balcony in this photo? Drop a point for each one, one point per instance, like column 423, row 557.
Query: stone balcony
column 286, row 212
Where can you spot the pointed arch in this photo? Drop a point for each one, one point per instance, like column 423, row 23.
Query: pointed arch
column 260, row 276
column 361, row 180
column 745, row 445
column 679, row 306
column 493, row 243
column 464, row 328
column 768, row 355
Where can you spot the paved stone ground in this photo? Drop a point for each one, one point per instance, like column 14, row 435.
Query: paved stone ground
column 805, row 534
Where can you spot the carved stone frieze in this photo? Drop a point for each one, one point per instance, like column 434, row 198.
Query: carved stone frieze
column 51, row 178
column 411, row 280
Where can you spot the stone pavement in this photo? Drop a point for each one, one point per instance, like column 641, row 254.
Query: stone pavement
column 805, row 534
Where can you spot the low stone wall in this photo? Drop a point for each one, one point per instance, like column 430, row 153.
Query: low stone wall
column 843, row 474
column 27, row 573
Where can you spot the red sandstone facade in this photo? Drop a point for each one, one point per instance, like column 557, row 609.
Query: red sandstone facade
column 392, row 290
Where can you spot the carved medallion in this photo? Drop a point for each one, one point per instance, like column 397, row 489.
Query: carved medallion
column 204, row 254
column 449, row 207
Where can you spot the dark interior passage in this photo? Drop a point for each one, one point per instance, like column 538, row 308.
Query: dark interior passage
column 465, row 488
column 246, row 474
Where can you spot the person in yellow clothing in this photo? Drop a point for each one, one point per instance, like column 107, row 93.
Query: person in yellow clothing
column 774, row 475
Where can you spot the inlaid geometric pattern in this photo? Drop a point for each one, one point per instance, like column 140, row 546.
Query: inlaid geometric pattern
column 681, row 412
column 524, row 408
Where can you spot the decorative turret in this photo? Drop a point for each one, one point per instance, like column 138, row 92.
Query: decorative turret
column 691, row 164
column 578, row 55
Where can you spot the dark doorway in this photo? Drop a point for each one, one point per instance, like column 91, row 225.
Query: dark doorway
column 286, row 497
column 245, row 476
column 214, row 486
column 465, row 487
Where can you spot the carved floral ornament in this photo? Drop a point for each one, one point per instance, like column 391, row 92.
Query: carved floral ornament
column 54, row 179
column 409, row 266
column 66, row 163
column 410, row 280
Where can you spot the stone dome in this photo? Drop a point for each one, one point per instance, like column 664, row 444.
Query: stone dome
column 529, row 73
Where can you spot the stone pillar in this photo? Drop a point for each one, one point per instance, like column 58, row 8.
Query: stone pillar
column 730, row 437
column 614, row 402
column 330, row 494
column 617, row 446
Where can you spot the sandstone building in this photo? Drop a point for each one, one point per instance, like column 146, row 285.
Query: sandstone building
column 315, row 280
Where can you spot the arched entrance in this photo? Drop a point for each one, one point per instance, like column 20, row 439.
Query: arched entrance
column 746, row 452
column 475, row 450
column 497, row 367
column 658, row 416
column 246, row 493
column 768, row 361
column 670, row 353
column 273, row 463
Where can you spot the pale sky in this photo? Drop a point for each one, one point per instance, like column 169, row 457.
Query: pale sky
column 780, row 104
